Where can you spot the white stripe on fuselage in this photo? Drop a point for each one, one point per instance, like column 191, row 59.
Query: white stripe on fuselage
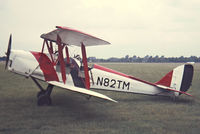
column 109, row 81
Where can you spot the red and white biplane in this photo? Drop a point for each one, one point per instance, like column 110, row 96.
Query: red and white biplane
column 73, row 73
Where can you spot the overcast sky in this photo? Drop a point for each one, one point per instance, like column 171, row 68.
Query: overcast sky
column 133, row 27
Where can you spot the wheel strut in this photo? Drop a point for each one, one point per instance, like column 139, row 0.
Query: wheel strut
column 43, row 96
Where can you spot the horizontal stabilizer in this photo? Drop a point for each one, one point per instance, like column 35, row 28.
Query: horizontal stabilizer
column 170, row 89
column 81, row 90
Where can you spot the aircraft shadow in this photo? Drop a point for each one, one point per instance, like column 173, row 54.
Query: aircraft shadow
column 159, row 99
column 79, row 107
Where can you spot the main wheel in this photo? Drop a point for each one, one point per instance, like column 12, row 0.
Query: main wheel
column 40, row 93
column 44, row 100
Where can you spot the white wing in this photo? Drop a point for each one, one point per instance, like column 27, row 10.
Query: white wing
column 81, row 90
column 73, row 37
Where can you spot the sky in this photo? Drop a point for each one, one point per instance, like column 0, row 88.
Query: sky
column 133, row 27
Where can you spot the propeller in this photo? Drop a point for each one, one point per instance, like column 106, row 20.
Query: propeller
column 8, row 51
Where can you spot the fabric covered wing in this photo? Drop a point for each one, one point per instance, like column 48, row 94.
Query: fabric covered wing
column 81, row 90
column 73, row 37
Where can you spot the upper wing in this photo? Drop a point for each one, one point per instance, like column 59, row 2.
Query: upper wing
column 73, row 37
column 81, row 90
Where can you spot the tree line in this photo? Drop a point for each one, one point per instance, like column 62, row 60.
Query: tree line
column 147, row 59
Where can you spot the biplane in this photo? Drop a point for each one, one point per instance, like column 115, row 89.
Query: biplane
column 57, row 68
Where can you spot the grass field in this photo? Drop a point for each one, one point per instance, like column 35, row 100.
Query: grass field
column 71, row 113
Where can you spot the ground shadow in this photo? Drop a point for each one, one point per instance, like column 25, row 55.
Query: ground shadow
column 78, row 106
column 160, row 99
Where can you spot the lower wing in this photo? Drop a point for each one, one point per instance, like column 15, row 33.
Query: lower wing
column 81, row 90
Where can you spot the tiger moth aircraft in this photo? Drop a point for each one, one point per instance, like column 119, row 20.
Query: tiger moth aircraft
column 57, row 68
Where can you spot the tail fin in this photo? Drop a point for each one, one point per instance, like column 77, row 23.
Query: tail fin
column 180, row 78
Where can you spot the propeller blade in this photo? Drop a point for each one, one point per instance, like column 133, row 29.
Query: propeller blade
column 8, row 51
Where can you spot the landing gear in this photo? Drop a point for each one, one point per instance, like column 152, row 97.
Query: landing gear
column 44, row 100
column 43, row 96
column 40, row 93
column 88, row 97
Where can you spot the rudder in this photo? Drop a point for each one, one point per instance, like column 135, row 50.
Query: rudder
column 187, row 77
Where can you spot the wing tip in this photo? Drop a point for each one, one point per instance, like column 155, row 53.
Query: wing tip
column 112, row 100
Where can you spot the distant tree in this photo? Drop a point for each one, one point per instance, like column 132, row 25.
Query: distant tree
column 147, row 58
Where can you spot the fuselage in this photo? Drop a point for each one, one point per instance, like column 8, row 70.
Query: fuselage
column 39, row 66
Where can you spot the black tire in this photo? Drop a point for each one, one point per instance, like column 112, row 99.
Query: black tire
column 44, row 100
column 40, row 93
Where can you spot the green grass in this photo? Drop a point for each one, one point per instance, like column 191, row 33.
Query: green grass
column 72, row 113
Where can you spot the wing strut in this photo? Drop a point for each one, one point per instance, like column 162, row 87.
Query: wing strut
column 61, row 59
column 50, row 49
column 43, row 46
column 67, row 54
column 87, row 79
